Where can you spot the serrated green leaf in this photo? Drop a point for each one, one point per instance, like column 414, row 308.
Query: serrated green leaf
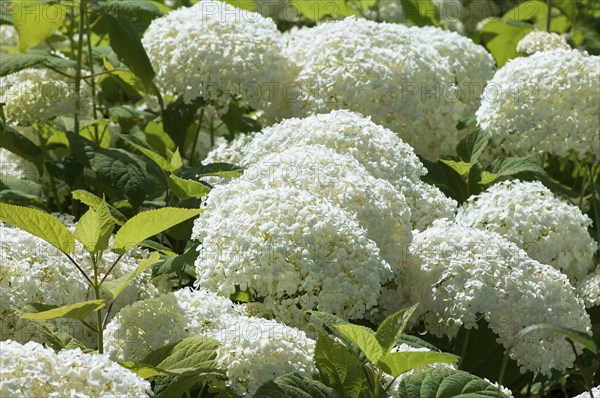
column 364, row 339
column 12, row 63
column 487, row 178
column 9, row 182
column 176, row 161
column 36, row 21
column 160, row 161
column 340, row 369
column 294, row 385
column 185, row 189
column 470, row 148
column 579, row 337
column 75, row 311
column 116, row 286
column 95, row 202
column 392, row 327
column 512, row 166
column 396, row 363
column 40, row 224
column 446, row 383
column 144, row 370
column 180, row 385
column 462, row 168
column 20, row 145
column 56, row 337
column 94, row 229
column 501, row 39
column 190, row 354
column 420, row 12
column 223, row 170
column 149, row 223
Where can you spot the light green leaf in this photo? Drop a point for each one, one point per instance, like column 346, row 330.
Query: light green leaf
column 144, row 370
column 392, row 327
column 116, row 286
column 95, row 202
column 487, row 178
column 56, row 337
column 35, row 21
column 40, row 224
column 364, row 339
column 185, row 189
column 149, row 223
column 420, row 12
column 446, row 383
column 529, row 11
column 317, row 9
column 459, row 166
column 176, row 161
column 190, row 354
column 75, row 311
column 12, row 63
column 470, row 148
column 396, row 363
column 95, row 228
column 501, row 39
column 579, row 337
column 294, row 385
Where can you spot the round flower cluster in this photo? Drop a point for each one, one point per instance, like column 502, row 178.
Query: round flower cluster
column 8, row 36
column 290, row 248
column 38, row 95
column 540, row 40
column 589, row 289
column 547, row 102
column 550, row 230
column 31, row 370
column 33, row 271
column 459, row 272
column 253, row 350
column 365, row 58
column 376, row 148
column 189, row 48
column 339, row 178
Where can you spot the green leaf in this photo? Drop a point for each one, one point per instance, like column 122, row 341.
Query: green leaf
column 190, row 354
column 340, row 369
column 18, row 144
column 462, row 168
column 501, row 39
column 396, row 363
column 143, row 370
column 177, row 262
column 75, row 311
column 420, row 12
column 575, row 335
column 178, row 117
column 414, row 341
column 40, row 224
column 317, row 9
column 95, row 228
column 176, row 161
column 392, row 327
column 470, row 148
column 95, row 202
column 12, row 63
column 180, row 385
column 237, row 121
column 530, row 11
column 35, row 21
column 56, row 337
column 149, row 223
column 160, row 161
column 243, row 296
column 512, row 166
column 364, row 339
column 116, row 286
column 185, row 189
column 294, row 385
column 446, row 383
column 8, row 182
column 223, row 170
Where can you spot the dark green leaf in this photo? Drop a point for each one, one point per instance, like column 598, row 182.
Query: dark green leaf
column 471, row 147
column 192, row 353
column 420, row 12
column 12, row 63
column 18, row 144
column 294, row 385
column 178, row 117
column 391, row 328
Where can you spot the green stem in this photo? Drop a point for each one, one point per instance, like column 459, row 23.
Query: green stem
column 99, row 320
column 595, row 204
column 193, row 155
column 581, row 367
column 82, row 13
column 92, row 81
column 549, row 16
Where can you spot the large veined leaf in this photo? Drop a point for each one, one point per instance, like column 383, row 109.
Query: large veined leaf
column 95, row 228
column 575, row 335
column 340, row 369
column 420, row 12
column 40, row 224
column 190, row 354
column 529, row 11
column 392, row 327
column 149, row 223
column 160, row 161
column 446, row 383
column 75, row 311
column 178, row 117
column 36, row 20
column 20, row 145
column 471, row 147
column 396, row 363
column 144, row 370
column 364, row 339
column 185, row 189
column 12, row 63
column 116, row 286
column 294, row 385
column 95, row 202
column 501, row 39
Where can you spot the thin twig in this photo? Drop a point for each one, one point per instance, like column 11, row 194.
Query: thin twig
column 581, row 367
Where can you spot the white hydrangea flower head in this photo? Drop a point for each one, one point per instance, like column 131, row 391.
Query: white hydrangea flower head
column 595, row 393
column 30, row 370
column 460, row 272
column 540, row 40
column 363, row 60
column 589, row 289
column 472, row 65
column 339, row 178
column 147, row 325
column 256, row 350
column 33, row 271
column 292, row 249
column 15, row 166
column 8, row 36
column 549, row 229
column 189, row 46
column 376, row 148
column 38, row 95
column 548, row 102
